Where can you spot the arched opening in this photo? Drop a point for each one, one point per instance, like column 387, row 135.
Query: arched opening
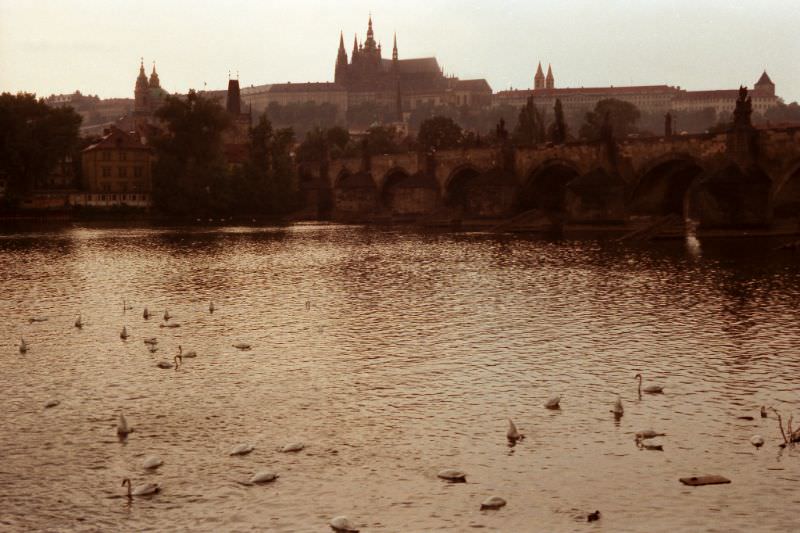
column 787, row 198
column 355, row 195
column 546, row 188
column 481, row 195
column 663, row 188
column 732, row 197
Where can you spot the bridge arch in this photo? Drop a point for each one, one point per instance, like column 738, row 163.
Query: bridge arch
column 408, row 194
column 545, row 185
column 479, row 194
column 664, row 183
column 786, row 199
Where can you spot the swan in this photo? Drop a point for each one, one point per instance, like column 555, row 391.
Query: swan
column 264, row 476
column 170, row 325
column 153, row 348
column 757, row 441
column 79, row 322
column 23, row 346
column 166, row 364
column 145, row 489
column 151, row 340
column 51, row 403
column 211, row 307
column 293, row 447
column 650, row 389
column 494, row 502
column 146, row 314
column 242, row 346
column 618, row 410
column 151, row 462
column 37, row 319
column 512, row 434
column 187, row 354
column 453, row 476
column 553, row 402
column 763, row 411
column 122, row 426
column 241, row 449
column 342, row 524
column 166, row 315
column 648, row 434
column 124, row 333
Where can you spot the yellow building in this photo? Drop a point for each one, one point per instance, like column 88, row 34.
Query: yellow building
column 117, row 170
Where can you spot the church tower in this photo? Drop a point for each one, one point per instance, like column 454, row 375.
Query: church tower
column 234, row 100
column 341, row 62
column 550, row 82
column 538, row 80
column 155, row 83
column 765, row 85
column 141, row 101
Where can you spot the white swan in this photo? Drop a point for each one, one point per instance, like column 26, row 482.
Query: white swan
column 23, row 346
column 166, row 364
column 553, row 403
column 757, row 441
column 241, row 449
column 293, row 447
column 167, row 316
column 187, row 354
column 145, row 489
column 342, row 524
column 152, row 462
column 512, row 434
column 264, row 476
column 618, row 410
column 648, row 434
column 79, row 321
column 124, row 333
column 650, row 389
column 122, row 426
column 146, row 314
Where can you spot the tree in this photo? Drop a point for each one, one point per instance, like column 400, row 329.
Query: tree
column 380, row 140
column 334, row 141
column 439, row 133
column 530, row 125
column 622, row 117
column 33, row 137
column 783, row 113
column 190, row 174
column 558, row 129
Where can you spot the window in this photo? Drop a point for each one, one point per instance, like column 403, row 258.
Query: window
column 122, row 172
column 106, row 172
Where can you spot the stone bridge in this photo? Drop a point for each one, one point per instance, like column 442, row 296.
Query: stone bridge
column 739, row 178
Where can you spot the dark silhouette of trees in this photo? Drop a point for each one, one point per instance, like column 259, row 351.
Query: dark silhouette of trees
column 622, row 119
column 439, row 133
column 303, row 117
column 783, row 113
column 530, row 127
column 33, row 138
column 558, row 129
column 318, row 144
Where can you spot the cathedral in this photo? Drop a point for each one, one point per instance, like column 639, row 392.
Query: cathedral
column 148, row 97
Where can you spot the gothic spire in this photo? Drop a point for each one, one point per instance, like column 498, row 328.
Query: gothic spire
column 550, row 82
column 370, row 34
column 141, row 81
column 355, row 47
column 341, row 58
column 394, row 49
column 154, row 81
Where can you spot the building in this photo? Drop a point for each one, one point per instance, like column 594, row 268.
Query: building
column 117, row 170
column 148, row 97
column 647, row 98
column 236, row 138
column 367, row 77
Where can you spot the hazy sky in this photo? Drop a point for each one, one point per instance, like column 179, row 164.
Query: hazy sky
column 56, row 46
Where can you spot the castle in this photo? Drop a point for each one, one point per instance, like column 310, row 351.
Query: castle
column 366, row 76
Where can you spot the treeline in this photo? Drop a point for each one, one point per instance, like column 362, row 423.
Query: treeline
column 34, row 137
column 196, row 174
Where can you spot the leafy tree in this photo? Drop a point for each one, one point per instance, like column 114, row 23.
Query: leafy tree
column 530, row 125
column 366, row 114
column 333, row 140
column 439, row 133
column 303, row 117
column 783, row 113
column 190, row 174
column 268, row 176
column 381, row 140
column 558, row 129
column 622, row 118
column 33, row 137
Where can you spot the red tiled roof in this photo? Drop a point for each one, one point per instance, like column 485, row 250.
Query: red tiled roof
column 116, row 139
column 722, row 93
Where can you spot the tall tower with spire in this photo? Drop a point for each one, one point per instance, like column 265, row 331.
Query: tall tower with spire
column 155, row 83
column 538, row 79
column 550, row 82
column 341, row 62
column 141, row 103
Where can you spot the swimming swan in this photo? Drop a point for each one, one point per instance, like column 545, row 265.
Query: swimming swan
column 166, row 364
column 145, row 489
column 650, row 389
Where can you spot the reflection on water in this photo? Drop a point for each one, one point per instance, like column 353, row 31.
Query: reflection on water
column 413, row 351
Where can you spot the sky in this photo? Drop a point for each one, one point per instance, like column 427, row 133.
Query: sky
column 59, row 46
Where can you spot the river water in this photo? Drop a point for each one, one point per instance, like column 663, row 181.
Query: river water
column 393, row 354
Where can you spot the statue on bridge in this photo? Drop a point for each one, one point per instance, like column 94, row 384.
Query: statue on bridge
column 744, row 109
